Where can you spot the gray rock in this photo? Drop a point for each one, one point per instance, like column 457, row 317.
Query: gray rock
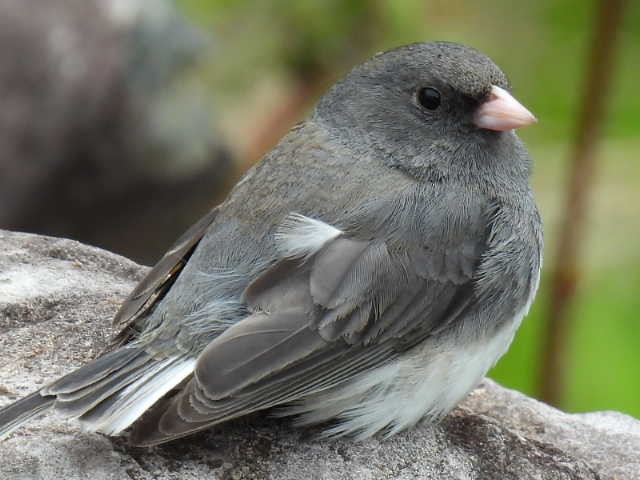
column 56, row 300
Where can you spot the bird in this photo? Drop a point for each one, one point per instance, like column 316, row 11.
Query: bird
column 363, row 276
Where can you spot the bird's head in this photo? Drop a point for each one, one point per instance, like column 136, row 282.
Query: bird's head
column 407, row 100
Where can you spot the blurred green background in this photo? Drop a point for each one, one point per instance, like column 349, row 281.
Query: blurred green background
column 271, row 59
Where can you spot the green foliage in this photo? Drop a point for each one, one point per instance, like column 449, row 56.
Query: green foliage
column 604, row 352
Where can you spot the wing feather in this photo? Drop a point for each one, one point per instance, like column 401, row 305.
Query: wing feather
column 157, row 282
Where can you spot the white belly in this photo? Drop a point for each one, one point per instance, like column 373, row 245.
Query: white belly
column 429, row 381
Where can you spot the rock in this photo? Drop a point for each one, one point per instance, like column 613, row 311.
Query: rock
column 56, row 300
column 104, row 137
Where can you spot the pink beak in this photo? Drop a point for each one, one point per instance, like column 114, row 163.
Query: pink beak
column 502, row 112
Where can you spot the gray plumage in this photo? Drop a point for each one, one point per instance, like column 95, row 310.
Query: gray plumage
column 369, row 270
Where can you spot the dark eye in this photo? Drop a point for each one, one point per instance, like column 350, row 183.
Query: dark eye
column 429, row 98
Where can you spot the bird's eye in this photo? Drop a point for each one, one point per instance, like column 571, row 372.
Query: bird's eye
column 429, row 98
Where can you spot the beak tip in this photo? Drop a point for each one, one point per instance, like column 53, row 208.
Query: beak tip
column 503, row 112
column 530, row 117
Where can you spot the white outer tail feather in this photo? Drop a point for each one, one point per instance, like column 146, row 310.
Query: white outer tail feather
column 138, row 397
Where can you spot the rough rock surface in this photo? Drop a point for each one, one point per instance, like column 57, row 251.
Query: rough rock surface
column 56, row 300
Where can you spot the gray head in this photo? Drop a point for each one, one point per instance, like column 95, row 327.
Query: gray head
column 407, row 101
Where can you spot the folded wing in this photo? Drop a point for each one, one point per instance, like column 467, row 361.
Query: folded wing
column 319, row 316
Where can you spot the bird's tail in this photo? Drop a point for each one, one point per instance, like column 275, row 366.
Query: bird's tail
column 107, row 395
column 16, row 414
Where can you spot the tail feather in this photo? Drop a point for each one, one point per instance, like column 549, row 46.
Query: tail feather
column 138, row 397
column 93, row 372
column 89, row 397
column 133, row 368
column 18, row 413
column 108, row 395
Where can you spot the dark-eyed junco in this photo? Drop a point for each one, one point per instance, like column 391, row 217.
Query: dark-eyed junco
column 365, row 274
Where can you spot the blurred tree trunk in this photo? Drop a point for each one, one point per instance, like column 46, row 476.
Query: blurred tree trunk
column 589, row 126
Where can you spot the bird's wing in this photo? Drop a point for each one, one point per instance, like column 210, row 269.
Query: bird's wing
column 317, row 319
column 157, row 282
